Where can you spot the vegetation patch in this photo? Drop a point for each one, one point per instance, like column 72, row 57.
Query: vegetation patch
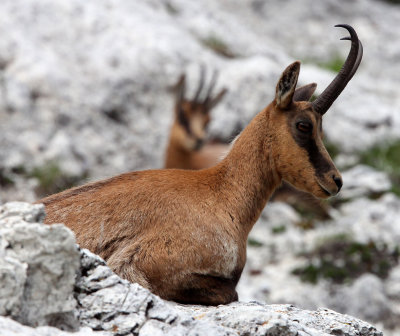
column 385, row 157
column 218, row 45
column 395, row 2
column 278, row 229
column 306, row 223
column 254, row 242
column 332, row 149
column 334, row 64
column 171, row 9
column 52, row 179
column 5, row 179
column 341, row 260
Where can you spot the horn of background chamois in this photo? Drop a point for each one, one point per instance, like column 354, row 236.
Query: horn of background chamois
column 201, row 84
column 211, row 87
column 326, row 99
column 180, row 89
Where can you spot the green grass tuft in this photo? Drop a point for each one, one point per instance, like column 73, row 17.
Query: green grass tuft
column 385, row 157
column 216, row 44
column 52, row 179
column 254, row 242
column 341, row 260
column 332, row 149
column 5, row 179
column 334, row 64
column 278, row 229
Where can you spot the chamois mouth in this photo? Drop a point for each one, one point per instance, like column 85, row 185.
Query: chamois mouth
column 326, row 191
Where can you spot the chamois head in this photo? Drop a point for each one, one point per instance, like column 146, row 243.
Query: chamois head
column 193, row 115
column 301, row 157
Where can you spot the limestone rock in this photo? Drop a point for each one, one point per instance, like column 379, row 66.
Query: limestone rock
column 109, row 303
column 38, row 267
column 364, row 181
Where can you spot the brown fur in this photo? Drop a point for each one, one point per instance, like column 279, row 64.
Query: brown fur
column 183, row 233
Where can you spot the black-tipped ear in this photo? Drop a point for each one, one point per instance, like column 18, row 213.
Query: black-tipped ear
column 180, row 90
column 305, row 92
column 214, row 101
column 287, row 85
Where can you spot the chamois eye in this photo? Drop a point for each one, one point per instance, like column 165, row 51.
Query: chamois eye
column 304, row 127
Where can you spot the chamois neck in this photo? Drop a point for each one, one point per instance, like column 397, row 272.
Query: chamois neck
column 176, row 155
column 248, row 172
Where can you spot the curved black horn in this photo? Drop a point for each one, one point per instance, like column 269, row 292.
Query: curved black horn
column 211, row 87
column 335, row 88
column 359, row 57
column 201, row 83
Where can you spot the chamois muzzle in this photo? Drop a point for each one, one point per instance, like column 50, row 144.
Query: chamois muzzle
column 338, row 181
column 335, row 88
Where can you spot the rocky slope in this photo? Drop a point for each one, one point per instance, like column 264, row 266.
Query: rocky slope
column 85, row 92
column 39, row 264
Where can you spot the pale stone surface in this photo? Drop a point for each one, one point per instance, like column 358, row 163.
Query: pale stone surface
column 109, row 303
column 38, row 267
column 364, row 181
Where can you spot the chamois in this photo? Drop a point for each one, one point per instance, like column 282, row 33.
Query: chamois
column 187, row 148
column 182, row 233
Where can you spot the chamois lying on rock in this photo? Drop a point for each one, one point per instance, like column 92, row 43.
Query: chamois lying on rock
column 183, row 233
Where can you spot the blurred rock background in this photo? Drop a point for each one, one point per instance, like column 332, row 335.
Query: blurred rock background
column 85, row 93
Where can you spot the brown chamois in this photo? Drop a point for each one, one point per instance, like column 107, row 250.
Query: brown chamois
column 187, row 148
column 182, row 233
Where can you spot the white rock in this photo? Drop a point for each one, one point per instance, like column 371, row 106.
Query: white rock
column 39, row 264
column 10, row 327
column 363, row 181
column 365, row 297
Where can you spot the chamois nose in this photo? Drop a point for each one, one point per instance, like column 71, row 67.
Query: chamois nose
column 338, row 181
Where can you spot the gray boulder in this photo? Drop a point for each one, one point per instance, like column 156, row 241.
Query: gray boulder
column 364, row 181
column 106, row 302
column 37, row 268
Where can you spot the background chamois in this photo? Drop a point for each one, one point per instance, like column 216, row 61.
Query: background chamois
column 183, row 233
column 187, row 147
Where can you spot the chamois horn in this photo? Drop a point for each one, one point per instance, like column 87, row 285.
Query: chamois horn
column 358, row 61
column 207, row 97
column 335, row 88
column 201, row 83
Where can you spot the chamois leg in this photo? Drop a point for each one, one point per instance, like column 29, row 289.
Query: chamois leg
column 207, row 290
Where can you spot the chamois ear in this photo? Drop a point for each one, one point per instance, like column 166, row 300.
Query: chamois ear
column 305, row 92
column 287, row 85
column 214, row 101
column 180, row 90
